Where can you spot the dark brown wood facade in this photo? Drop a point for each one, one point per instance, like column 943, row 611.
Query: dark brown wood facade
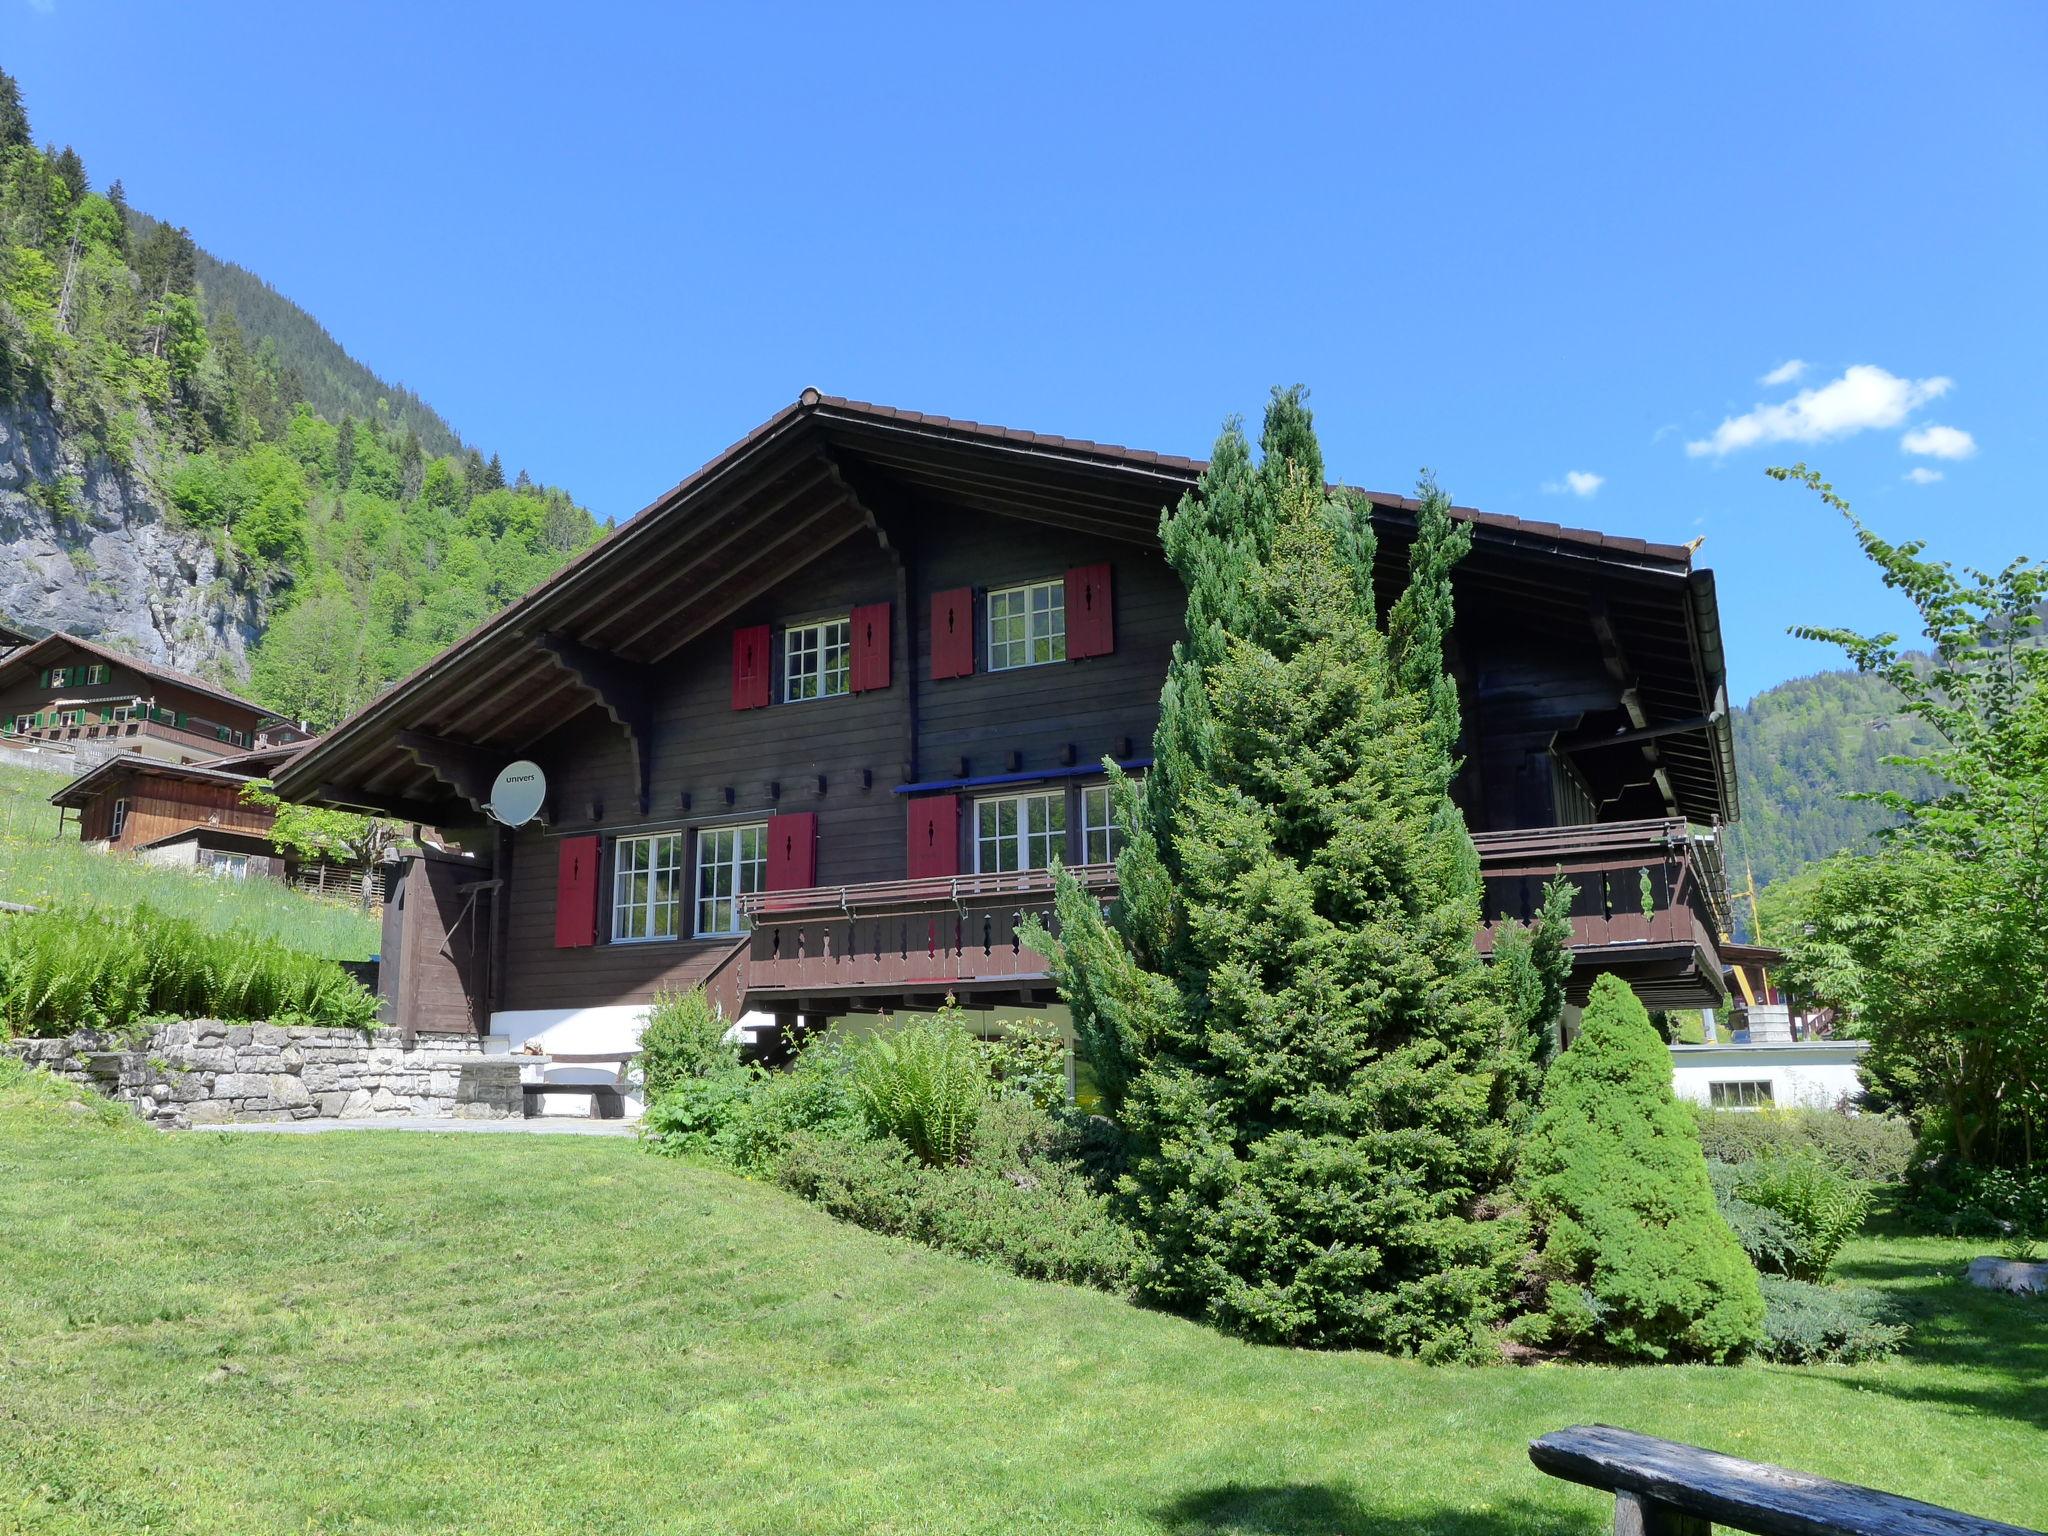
column 621, row 679
column 73, row 692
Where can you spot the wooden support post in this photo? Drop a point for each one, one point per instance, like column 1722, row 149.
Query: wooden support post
column 1636, row 1515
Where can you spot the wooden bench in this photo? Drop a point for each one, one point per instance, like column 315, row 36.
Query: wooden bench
column 607, row 1100
column 1663, row 1488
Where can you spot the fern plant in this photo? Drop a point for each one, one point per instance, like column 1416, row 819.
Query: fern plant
column 924, row 1084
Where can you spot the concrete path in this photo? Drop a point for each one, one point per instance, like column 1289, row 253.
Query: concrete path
column 544, row 1125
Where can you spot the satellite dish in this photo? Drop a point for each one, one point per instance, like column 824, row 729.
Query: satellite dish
column 517, row 793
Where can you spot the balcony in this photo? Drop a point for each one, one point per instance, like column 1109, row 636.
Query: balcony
column 1648, row 905
column 902, row 943
column 1650, row 901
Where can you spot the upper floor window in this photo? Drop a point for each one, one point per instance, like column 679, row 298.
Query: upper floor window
column 1019, row 831
column 98, row 674
column 120, row 822
column 814, row 660
column 1027, row 625
column 1102, row 834
column 647, row 887
column 730, row 864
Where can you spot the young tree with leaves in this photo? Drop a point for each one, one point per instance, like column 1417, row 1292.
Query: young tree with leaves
column 1945, row 922
column 1320, row 1078
column 317, row 832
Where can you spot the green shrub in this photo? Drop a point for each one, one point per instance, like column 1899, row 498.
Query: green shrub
column 1016, row 1201
column 1945, row 1195
column 1029, row 1058
column 1873, row 1147
column 1634, row 1253
column 83, row 967
column 1774, row 1245
column 1825, row 1207
column 924, row 1084
column 1808, row 1324
column 684, row 1038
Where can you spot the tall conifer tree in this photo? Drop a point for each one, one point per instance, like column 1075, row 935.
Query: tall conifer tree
column 1285, row 1006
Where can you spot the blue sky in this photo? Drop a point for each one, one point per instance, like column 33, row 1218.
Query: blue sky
column 1566, row 257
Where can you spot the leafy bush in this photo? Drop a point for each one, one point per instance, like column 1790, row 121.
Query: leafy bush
column 1774, row 1245
column 1029, row 1058
column 1824, row 1207
column 1808, row 1324
column 1016, row 1201
column 1634, row 1253
column 1877, row 1148
column 1949, row 1196
column 924, row 1084
column 745, row 1116
column 83, row 967
column 684, row 1038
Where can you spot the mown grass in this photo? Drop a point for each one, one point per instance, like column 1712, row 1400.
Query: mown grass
column 379, row 1331
column 40, row 868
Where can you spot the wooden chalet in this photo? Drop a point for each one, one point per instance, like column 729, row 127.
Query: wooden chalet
column 815, row 722
column 68, row 693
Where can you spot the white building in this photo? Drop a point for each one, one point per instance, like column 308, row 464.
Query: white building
column 1808, row 1074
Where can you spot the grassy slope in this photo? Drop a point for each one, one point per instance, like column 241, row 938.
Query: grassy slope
column 381, row 1331
column 38, row 867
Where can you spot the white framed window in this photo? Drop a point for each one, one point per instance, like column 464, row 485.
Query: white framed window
column 1102, row 835
column 731, row 862
column 98, row 674
column 120, row 821
column 120, row 712
column 23, row 724
column 1027, row 626
column 1019, row 831
column 1750, row 1093
column 814, row 660
column 647, row 887
column 224, row 866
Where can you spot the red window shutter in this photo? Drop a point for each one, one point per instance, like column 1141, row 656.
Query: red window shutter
column 953, row 633
column 750, row 667
column 1090, row 629
column 576, row 894
column 934, row 836
column 792, row 852
column 868, row 667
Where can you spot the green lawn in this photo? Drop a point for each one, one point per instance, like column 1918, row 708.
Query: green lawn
column 390, row 1332
column 39, row 867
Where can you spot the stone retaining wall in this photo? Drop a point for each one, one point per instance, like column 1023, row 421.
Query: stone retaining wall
column 208, row 1073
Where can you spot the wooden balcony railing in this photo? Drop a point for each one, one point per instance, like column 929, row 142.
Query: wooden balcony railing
column 903, row 937
column 1645, row 890
column 1636, row 882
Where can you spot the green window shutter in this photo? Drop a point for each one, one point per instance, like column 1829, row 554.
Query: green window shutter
column 106, row 714
column 183, row 720
column 45, row 679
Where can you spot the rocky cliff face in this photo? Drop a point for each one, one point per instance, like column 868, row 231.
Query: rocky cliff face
column 87, row 548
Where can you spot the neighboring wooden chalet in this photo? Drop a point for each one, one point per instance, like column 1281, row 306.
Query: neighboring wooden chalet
column 814, row 723
column 185, row 814
column 65, row 692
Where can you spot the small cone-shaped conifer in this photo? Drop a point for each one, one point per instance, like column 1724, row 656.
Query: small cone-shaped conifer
column 1635, row 1253
column 1285, row 1007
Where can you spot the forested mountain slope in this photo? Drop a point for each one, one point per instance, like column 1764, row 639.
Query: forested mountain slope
column 1799, row 747
column 193, row 469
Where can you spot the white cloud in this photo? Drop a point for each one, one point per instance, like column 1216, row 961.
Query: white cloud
column 1863, row 398
column 1576, row 482
column 1939, row 442
column 1920, row 474
column 1784, row 373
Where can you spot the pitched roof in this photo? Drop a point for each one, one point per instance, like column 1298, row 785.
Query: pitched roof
column 94, row 780
column 791, row 489
column 29, row 656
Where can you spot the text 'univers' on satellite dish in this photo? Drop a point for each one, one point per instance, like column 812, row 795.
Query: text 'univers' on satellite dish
column 517, row 793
